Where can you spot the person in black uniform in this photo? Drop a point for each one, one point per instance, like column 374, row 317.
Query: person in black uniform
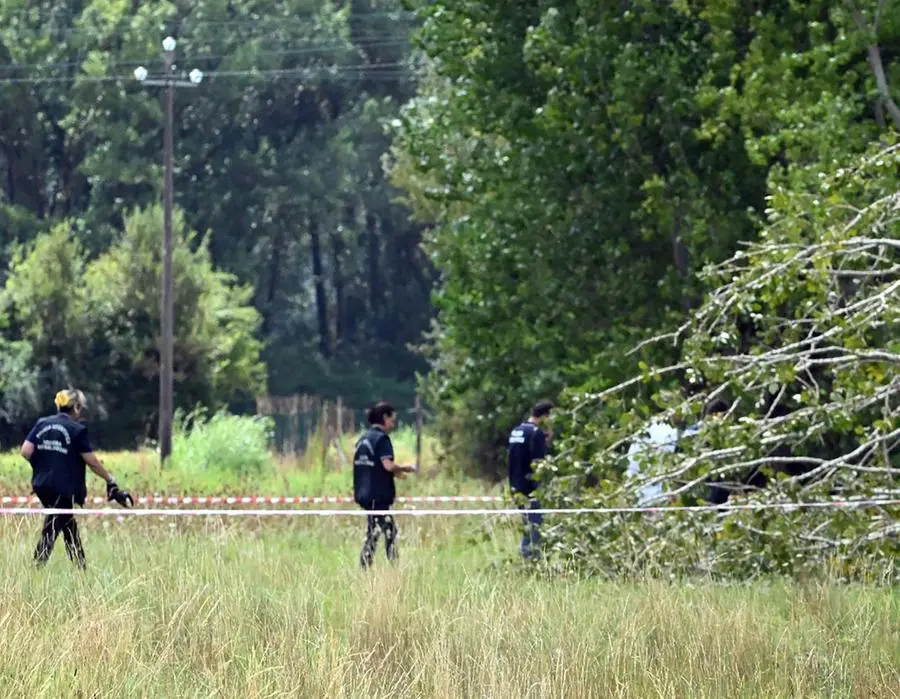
column 58, row 448
column 374, row 471
column 527, row 444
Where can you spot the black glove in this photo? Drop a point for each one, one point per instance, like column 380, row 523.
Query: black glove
column 120, row 496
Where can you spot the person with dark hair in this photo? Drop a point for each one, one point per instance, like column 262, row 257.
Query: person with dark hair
column 716, row 407
column 527, row 444
column 374, row 471
column 58, row 448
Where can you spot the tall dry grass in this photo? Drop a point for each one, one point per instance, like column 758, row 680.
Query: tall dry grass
column 275, row 609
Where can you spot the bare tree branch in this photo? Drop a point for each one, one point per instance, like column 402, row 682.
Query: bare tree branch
column 875, row 61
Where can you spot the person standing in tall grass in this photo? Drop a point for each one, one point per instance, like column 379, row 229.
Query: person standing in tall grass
column 528, row 443
column 58, row 448
column 374, row 471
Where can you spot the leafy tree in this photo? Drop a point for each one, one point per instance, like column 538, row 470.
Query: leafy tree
column 580, row 164
column 558, row 151
column 18, row 225
column 44, row 300
column 48, row 275
column 19, row 396
column 217, row 354
column 95, row 324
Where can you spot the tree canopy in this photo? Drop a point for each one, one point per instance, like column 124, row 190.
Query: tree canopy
column 277, row 167
column 580, row 164
column 95, row 324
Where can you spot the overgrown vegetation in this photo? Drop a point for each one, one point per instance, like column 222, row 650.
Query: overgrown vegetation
column 799, row 341
column 581, row 164
column 275, row 609
column 221, row 443
column 94, row 323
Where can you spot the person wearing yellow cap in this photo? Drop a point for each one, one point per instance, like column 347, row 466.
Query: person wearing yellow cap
column 58, row 448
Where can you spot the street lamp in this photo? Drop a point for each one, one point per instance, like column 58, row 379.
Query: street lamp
column 167, row 311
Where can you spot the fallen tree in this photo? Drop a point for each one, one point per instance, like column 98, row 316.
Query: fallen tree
column 799, row 345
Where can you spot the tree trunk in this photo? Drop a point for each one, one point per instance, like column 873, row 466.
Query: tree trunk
column 681, row 259
column 315, row 243
column 337, row 273
column 875, row 62
column 272, row 285
column 10, row 182
column 374, row 264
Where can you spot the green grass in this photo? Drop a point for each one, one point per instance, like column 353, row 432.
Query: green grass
column 199, row 608
column 308, row 474
column 278, row 607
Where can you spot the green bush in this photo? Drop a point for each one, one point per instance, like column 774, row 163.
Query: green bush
column 233, row 444
column 68, row 319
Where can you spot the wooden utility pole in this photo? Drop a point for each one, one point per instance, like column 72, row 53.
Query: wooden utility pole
column 167, row 310
column 167, row 296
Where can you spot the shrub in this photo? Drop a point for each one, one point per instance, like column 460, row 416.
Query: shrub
column 235, row 444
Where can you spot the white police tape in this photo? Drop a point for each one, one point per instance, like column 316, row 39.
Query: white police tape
column 263, row 500
column 148, row 512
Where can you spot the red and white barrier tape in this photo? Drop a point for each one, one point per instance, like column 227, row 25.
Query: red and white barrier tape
column 263, row 500
column 119, row 512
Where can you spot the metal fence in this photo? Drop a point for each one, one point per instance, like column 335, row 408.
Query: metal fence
column 302, row 419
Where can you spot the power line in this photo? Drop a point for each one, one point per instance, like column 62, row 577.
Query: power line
column 396, row 16
column 188, row 20
column 295, row 71
column 310, row 50
column 375, row 70
column 42, row 28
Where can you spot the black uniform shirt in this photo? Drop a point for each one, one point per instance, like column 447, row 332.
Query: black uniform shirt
column 373, row 484
column 59, row 441
column 527, row 443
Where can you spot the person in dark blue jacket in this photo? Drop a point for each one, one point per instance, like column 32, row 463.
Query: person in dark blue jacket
column 527, row 444
column 374, row 471
column 58, row 449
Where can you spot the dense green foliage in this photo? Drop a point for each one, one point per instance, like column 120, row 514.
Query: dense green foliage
column 580, row 163
column 95, row 324
column 277, row 166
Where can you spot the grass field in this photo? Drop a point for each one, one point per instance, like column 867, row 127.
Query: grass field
column 275, row 609
column 278, row 608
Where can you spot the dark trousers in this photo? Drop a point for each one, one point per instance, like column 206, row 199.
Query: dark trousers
column 54, row 524
column 375, row 525
column 532, row 538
